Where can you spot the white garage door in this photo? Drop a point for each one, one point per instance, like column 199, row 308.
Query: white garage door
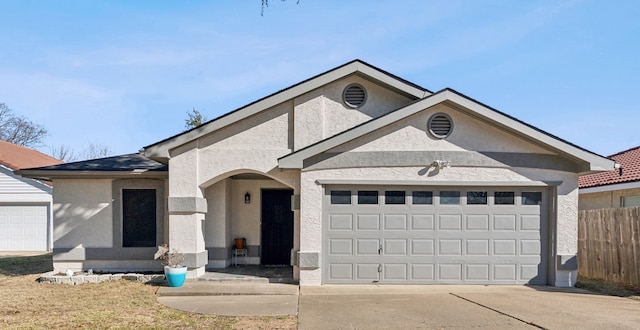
column 23, row 227
column 418, row 235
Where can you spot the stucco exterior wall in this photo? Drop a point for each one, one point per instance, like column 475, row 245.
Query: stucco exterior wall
column 218, row 218
column 312, row 196
column 410, row 134
column 83, row 216
column 606, row 199
column 322, row 113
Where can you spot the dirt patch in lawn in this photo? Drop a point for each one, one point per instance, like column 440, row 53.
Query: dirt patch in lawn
column 25, row 303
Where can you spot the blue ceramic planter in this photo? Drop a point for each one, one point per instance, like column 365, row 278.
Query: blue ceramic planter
column 175, row 276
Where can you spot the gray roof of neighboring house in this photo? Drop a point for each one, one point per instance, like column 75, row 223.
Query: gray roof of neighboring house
column 124, row 165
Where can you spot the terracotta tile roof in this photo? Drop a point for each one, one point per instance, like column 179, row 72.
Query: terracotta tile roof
column 630, row 161
column 17, row 157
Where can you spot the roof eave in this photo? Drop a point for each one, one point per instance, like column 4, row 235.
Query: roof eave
column 592, row 163
column 50, row 175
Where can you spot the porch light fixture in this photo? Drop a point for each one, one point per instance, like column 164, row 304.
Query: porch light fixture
column 247, row 198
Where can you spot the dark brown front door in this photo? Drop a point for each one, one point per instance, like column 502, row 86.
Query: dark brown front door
column 277, row 227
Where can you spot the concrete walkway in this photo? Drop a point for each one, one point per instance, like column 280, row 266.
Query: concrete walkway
column 250, row 298
column 430, row 307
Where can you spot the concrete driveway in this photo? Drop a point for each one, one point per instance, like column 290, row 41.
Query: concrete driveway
column 444, row 307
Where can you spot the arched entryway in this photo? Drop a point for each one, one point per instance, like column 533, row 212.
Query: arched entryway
column 252, row 207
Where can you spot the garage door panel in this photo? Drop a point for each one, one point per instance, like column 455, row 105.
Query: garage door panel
column 477, row 272
column 477, row 247
column 422, row 247
column 342, row 246
column 367, row 272
column 450, row 272
column 504, row 272
column 395, row 247
column 433, row 243
column 395, row 222
column 341, row 272
column 341, row 222
column 530, row 247
column 367, row 246
column 395, row 271
column 530, row 222
column 504, row 222
column 477, row 222
column 450, row 247
column 450, row 222
column 503, row 247
column 421, row 272
column 368, row 222
column 422, row 222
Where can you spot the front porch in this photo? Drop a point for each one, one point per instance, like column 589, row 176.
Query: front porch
column 250, row 273
column 258, row 211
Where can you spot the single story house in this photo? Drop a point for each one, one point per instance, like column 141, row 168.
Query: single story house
column 25, row 204
column 353, row 176
column 613, row 189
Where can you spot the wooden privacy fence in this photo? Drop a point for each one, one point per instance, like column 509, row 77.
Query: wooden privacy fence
column 609, row 245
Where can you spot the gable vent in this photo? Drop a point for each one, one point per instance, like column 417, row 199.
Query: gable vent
column 440, row 125
column 354, row 96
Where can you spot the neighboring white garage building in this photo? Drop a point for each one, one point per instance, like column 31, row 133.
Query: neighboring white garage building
column 25, row 204
column 351, row 176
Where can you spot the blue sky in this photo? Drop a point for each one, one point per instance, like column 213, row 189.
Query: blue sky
column 123, row 74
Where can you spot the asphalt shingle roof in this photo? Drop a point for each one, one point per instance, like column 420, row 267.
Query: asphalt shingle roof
column 630, row 161
column 124, row 163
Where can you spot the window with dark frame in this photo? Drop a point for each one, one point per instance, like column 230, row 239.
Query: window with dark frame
column 367, row 197
column 138, row 217
column 395, row 197
column 449, row 198
column 531, row 198
column 341, row 197
column 504, row 198
column 476, row 198
column 423, row 197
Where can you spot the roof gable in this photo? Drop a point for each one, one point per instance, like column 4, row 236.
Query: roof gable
column 160, row 150
column 459, row 101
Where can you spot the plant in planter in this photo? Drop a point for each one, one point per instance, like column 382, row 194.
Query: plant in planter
column 174, row 270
